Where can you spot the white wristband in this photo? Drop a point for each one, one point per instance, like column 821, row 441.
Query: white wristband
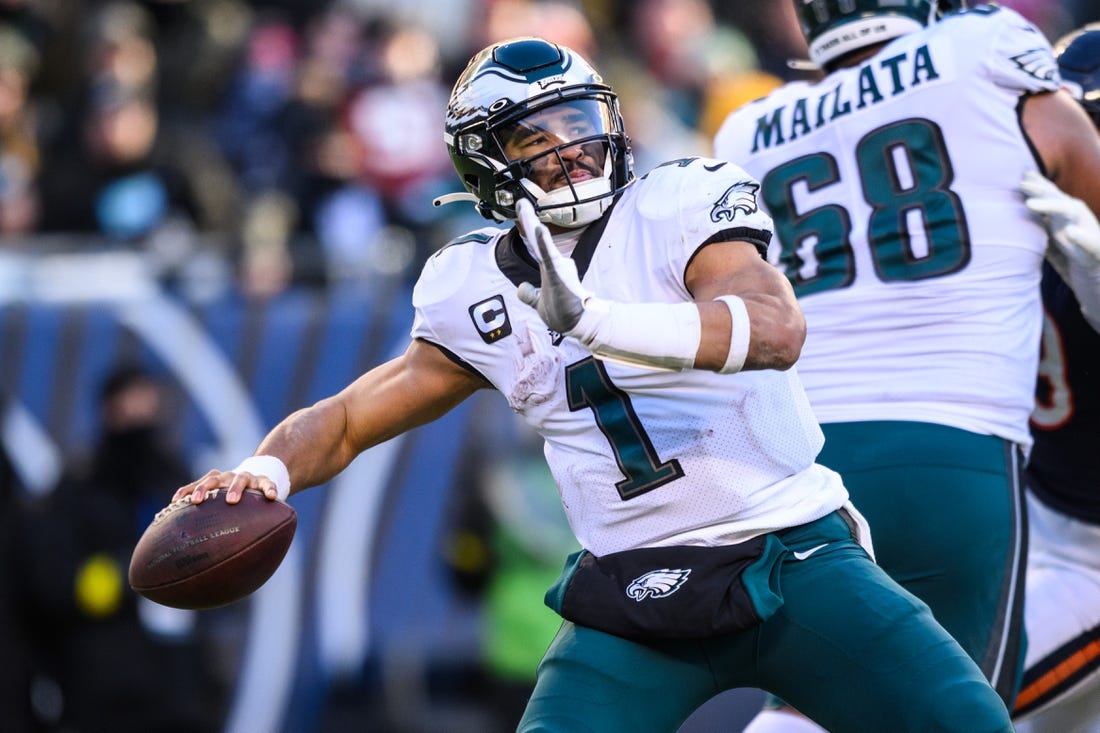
column 740, row 331
column 268, row 467
column 653, row 335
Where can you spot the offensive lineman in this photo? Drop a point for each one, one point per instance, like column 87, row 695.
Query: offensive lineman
column 894, row 184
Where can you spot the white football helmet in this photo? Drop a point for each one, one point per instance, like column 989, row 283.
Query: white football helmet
column 502, row 126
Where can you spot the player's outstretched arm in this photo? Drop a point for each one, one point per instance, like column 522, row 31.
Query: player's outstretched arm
column 314, row 444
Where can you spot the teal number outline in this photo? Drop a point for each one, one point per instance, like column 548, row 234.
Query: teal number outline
column 949, row 247
column 588, row 386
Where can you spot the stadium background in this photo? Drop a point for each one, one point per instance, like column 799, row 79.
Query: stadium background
column 256, row 250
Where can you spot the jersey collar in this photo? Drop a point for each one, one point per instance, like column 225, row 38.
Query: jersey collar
column 519, row 266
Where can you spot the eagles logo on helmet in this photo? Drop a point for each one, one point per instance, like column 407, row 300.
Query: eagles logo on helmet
column 505, row 99
column 834, row 28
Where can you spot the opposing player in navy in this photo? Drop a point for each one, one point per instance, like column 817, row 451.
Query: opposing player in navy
column 1061, row 684
column 635, row 324
column 894, row 183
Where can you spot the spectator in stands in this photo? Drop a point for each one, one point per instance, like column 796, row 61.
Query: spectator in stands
column 118, row 170
column 19, row 140
column 392, row 122
column 113, row 658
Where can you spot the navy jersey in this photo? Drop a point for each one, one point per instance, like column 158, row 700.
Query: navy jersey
column 1063, row 469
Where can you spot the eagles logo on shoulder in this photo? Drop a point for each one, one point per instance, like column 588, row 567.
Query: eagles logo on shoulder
column 741, row 196
column 1038, row 63
column 657, row 583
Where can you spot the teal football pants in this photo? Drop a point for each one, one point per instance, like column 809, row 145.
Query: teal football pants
column 948, row 521
column 848, row 647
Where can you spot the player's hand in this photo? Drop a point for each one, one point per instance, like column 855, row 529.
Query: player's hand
column 560, row 301
column 650, row 335
column 1072, row 225
column 234, row 482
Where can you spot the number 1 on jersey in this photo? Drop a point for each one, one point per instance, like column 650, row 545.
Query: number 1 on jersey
column 589, row 386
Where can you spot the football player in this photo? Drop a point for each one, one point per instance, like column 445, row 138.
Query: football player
column 1061, row 685
column 894, row 183
column 637, row 327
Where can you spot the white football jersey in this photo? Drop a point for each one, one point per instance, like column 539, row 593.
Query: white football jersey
column 893, row 185
column 642, row 457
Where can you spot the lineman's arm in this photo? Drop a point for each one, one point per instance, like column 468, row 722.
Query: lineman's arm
column 1075, row 240
column 1067, row 143
column 319, row 441
column 1069, row 148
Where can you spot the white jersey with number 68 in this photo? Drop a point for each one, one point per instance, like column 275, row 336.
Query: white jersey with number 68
column 893, row 188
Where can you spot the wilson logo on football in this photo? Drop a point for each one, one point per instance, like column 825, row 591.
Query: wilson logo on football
column 657, row 584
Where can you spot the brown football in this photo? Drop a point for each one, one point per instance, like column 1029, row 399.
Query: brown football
column 211, row 554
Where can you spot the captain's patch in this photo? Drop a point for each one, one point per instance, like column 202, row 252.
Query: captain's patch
column 490, row 317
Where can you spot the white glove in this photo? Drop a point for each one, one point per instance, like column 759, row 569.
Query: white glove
column 1071, row 224
column 1076, row 235
column 651, row 335
column 560, row 301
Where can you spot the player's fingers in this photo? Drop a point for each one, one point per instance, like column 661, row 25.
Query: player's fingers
column 1034, row 184
column 545, row 245
column 241, row 481
column 199, row 489
column 529, row 294
column 267, row 486
column 185, row 490
column 244, row 480
column 526, row 219
column 1046, row 206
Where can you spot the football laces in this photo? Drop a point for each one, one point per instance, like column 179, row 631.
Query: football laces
column 176, row 505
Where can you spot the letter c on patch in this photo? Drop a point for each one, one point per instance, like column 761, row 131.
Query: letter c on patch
column 490, row 317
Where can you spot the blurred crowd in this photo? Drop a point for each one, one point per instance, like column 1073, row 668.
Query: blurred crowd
column 302, row 139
